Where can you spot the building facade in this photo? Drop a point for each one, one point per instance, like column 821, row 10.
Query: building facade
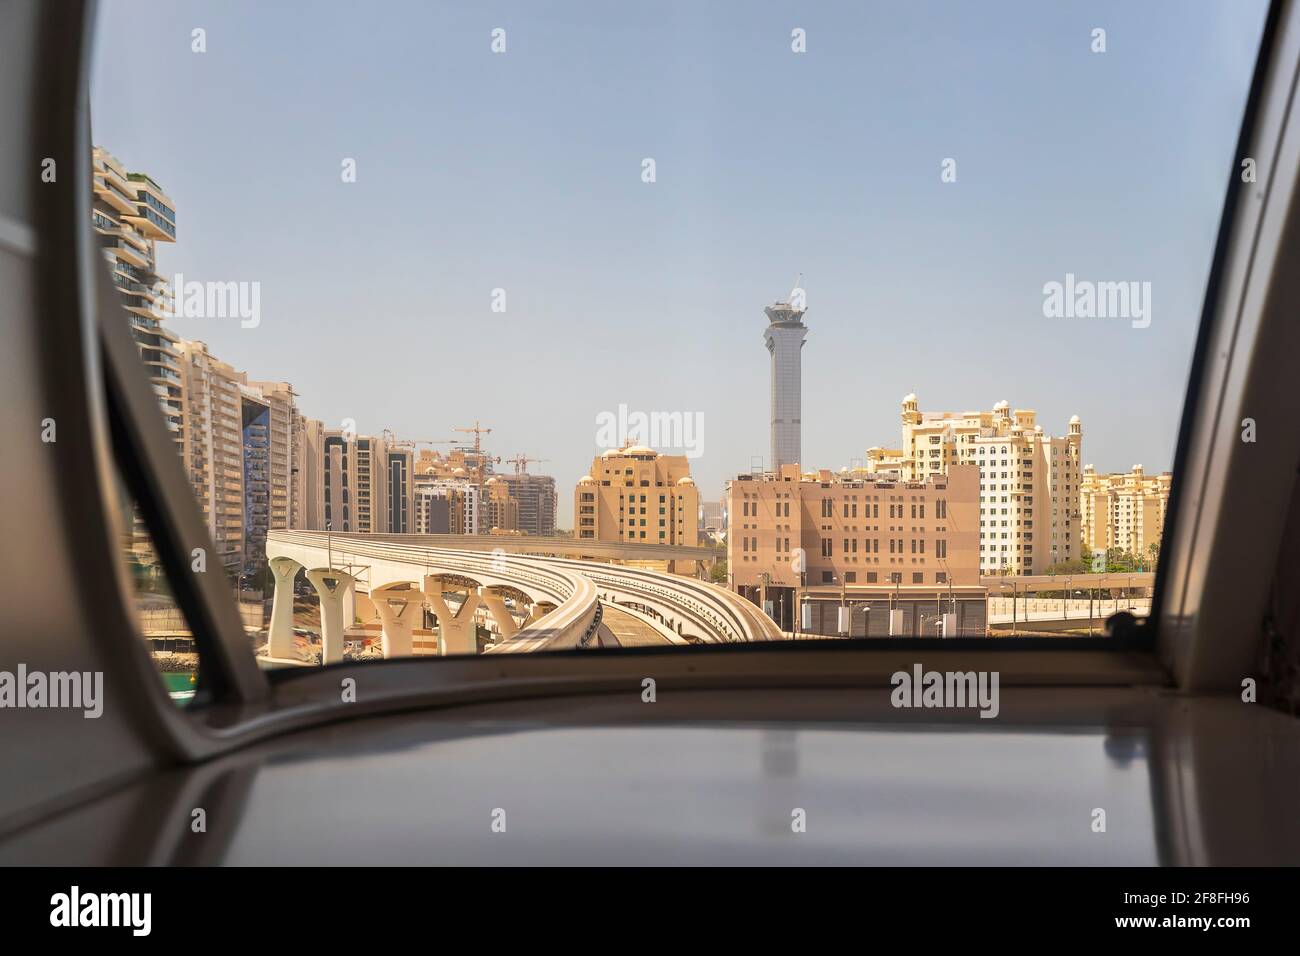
column 500, row 510
column 400, row 490
column 212, row 447
column 256, row 440
column 878, row 544
column 638, row 495
column 784, row 338
column 433, row 507
column 285, row 423
column 131, row 214
column 309, row 475
column 355, row 475
column 1029, row 480
column 1124, row 511
column 537, row 501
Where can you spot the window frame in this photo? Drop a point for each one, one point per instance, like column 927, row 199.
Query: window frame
column 246, row 703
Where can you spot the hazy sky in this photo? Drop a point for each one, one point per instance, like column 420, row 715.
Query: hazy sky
column 522, row 171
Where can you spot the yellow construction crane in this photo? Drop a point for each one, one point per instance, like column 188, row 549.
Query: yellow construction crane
column 482, row 460
column 521, row 463
column 478, row 435
column 390, row 438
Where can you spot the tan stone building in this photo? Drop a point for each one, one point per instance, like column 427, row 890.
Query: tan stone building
column 1124, row 511
column 457, row 493
column 445, row 506
column 500, row 510
column 309, row 475
column 1029, row 480
column 355, row 470
column 212, row 446
column 638, row 495
column 871, row 544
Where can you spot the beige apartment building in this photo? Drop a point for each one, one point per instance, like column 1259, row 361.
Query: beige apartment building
column 433, row 505
column 536, row 498
column 640, row 496
column 355, row 473
column 242, row 449
column 458, row 494
column 500, row 510
column 457, row 463
column 212, row 447
column 1124, row 511
column 1029, row 481
column 285, row 422
column 446, row 505
column 309, row 475
column 873, row 544
column 131, row 214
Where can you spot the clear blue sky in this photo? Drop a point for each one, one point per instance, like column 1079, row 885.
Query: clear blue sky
column 522, row 171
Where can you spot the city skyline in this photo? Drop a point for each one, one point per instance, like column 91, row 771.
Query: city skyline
column 497, row 186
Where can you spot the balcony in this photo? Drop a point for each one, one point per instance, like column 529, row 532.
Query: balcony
column 130, row 253
column 151, row 224
column 114, row 191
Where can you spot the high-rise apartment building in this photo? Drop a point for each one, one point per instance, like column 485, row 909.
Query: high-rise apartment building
column 355, row 472
column 1029, row 481
column 1124, row 511
column 309, row 475
column 131, row 214
column 212, row 447
column 478, row 501
column 243, row 449
column 874, row 544
column 537, row 501
column 433, row 507
column 500, row 510
column 446, row 505
column 638, row 495
column 784, row 339
column 257, row 468
column 400, row 490
column 285, row 423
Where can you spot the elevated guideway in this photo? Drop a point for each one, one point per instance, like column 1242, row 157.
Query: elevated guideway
column 560, row 600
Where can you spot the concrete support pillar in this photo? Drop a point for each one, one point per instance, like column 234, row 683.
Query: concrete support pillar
column 500, row 613
column 349, row 607
column 399, row 611
column 279, row 641
column 456, row 633
column 334, row 587
column 538, row 611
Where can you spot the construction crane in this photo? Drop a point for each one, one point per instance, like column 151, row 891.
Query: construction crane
column 478, row 435
column 521, row 461
column 390, row 437
column 482, row 460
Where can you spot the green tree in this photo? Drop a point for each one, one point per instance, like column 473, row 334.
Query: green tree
column 718, row 573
